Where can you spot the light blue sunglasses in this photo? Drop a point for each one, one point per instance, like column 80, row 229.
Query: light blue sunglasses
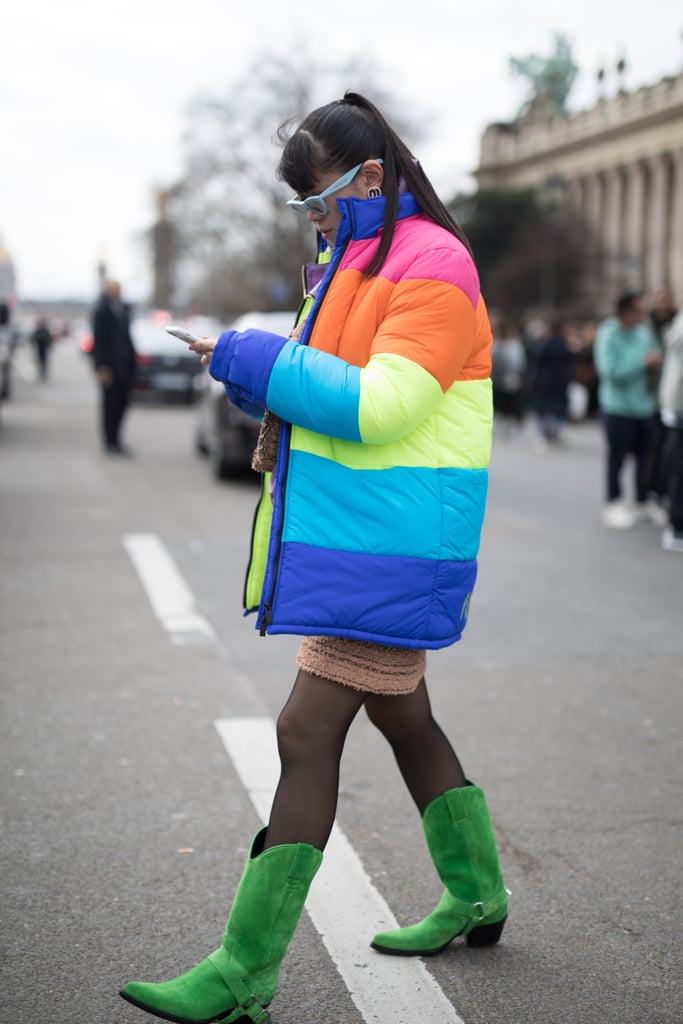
column 317, row 204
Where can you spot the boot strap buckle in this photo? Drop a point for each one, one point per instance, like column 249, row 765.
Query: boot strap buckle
column 258, row 1013
column 484, row 908
column 250, row 1008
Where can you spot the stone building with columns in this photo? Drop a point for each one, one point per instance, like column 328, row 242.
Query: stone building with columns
column 619, row 165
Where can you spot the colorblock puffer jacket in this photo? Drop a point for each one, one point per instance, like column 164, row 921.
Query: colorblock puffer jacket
column 381, row 476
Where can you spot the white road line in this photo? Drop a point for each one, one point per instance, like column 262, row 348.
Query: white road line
column 343, row 904
column 169, row 594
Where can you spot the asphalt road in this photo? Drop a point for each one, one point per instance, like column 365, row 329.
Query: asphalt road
column 125, row 823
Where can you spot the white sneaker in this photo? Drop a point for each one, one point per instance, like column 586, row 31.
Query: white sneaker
column 672, row 541
column 617, row 516
column 644, row 512
column 650, row 512
column 657, row 514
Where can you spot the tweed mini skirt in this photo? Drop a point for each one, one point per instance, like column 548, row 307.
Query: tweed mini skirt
column 363, row 665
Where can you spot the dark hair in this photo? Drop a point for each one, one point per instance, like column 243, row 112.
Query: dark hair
column 350, row 131
column 627, row 301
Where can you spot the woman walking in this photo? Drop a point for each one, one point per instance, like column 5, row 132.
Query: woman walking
column 377, row 433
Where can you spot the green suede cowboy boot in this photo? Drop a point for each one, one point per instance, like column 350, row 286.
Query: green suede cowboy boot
column 460, row 839
column 236, row 982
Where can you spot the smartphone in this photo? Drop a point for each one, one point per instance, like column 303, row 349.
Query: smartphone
column 180, row 332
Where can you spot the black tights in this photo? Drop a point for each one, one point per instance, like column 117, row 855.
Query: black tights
column 311, row 732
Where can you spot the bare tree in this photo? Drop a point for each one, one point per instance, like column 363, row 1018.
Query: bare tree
column 242, row 248
column 528, row 259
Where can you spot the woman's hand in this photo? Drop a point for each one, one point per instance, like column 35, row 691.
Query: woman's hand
column 204, row 348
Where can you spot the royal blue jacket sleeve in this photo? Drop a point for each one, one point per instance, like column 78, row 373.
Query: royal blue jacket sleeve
column 242, row 361
column 301, row 385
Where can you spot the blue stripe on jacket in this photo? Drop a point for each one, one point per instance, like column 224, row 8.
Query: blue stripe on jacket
column 393, row 610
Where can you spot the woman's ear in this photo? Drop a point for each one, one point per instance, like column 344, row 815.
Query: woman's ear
column 372, row 175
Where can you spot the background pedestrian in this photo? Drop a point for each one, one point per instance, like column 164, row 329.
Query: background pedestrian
column 42, row 340
column 671, row 403
column 114, row 358
column 508, row 375
column 551, row 371
column 625, row 352
column 660, row 315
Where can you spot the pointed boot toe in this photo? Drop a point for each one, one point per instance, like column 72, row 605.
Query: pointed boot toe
column 428, row 936
column 198, row 996
column 474, row 903
column 235, row 983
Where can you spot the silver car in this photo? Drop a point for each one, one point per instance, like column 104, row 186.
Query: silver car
column 165, row 369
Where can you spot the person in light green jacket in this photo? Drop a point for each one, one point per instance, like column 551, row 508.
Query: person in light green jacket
column 625, row 351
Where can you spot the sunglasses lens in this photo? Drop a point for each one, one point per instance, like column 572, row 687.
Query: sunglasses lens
column 316, row 205
column 313, row 205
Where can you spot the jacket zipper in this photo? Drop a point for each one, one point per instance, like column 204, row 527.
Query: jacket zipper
column 267, row 606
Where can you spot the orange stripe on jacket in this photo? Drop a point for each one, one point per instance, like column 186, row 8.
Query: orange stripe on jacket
column 431, row 322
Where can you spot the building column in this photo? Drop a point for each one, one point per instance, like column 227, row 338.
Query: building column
column 634, row 226
column 676, row 236
column 612, row 230
column 656, row 227
column 593, row 204
column 575, row 194
column 593, row 214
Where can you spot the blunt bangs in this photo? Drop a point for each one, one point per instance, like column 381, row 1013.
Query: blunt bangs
column 299, row 164
column 331, row 138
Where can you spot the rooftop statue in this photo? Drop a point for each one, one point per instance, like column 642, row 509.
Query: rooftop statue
column 551, row 78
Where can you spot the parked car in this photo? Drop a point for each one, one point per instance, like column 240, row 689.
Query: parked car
column 165, row 367
column 222, row 431
column 9, row 337
column 6, row 349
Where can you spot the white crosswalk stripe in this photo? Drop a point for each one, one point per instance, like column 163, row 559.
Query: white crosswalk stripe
column 168, row 593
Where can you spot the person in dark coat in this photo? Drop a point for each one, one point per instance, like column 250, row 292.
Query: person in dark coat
column 42, row 340
column 661, row 315
column 114, row 358
column 552, row 372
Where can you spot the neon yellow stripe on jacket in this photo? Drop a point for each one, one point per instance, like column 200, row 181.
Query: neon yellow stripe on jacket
column 457, row 434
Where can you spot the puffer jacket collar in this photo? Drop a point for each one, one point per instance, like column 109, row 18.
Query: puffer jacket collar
column 364, row 218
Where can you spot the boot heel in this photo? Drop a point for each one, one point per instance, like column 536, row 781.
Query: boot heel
column 485, row 934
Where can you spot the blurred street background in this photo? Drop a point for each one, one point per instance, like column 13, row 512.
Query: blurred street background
column 140, row 163
column 125, row 822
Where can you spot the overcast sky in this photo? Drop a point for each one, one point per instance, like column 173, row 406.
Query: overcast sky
column 93, row 98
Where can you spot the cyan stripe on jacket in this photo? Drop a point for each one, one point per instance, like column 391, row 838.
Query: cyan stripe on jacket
column 405, row 511
column 315, row 390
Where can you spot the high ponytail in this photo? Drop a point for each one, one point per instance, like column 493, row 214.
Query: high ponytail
column 349, row 132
